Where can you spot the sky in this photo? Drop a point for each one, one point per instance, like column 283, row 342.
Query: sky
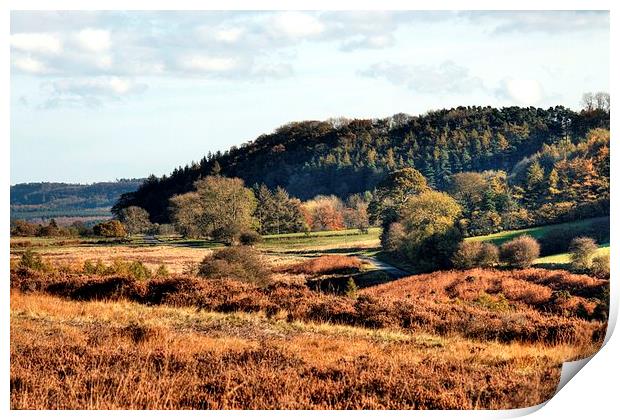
column 98, row 96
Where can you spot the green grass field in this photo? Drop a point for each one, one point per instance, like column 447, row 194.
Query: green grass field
column 352, row 238
column 538, row 232
column 337, row 239
column 564, row 259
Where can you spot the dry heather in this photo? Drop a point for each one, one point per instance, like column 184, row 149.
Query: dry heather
column 483, row 318
column 556, row 292
column 325, row 264
column 447, row 340
column 111, row 355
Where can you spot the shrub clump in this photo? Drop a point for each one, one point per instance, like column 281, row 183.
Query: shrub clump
column 97, row 267
column 110, row 229
column 600, row 266
column 31, row 261
column 250, row 238
column 236, row 262
column 162, row 272
column 489, row 255
column 520, row 252
column 582, row 250
column 134, row 270
column 351, row 288
column 475, row 254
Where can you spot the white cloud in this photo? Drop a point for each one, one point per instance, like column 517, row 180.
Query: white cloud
column 297, row 24
column 203, row 63
column 95, row 40
column 265, row 45
column 273, row 71
column 547, row 21
column 369, row 42
column 91, row 92
column 29, row 65
column 104, row 61
column 521, row 91
column 229, row 35
column 121, row 86
column 446, row 77
column 36, row 42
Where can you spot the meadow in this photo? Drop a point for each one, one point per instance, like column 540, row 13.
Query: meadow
column 584, row 227
column 473, row 339
column 123, row 355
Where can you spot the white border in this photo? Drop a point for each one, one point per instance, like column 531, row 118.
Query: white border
column 592, row 395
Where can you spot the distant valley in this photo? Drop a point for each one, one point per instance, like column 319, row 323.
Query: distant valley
column 67, row 202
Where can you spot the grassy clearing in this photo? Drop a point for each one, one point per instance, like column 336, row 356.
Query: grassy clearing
column 343, row 241
column 537, row 232
column 563, row 260
column 111, row 355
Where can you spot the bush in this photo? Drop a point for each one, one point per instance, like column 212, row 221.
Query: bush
column 475, row 254
column 600, row 266
column 433, row 252
column 31, row 261
column 520, row 252
column 467, row 255
column 489, row 255
column 582, row 250
column 110, row 229
column 250, row 238
column 162, row 272
column 98, row 268
column 134, row 270
column 24, row 228
column 237, row 262
column 351, row 288
column 495, row 303
column 226, row 234
column 51, row 229
column 138, row 271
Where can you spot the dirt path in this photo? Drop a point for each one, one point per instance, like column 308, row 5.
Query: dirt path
column 395, row 272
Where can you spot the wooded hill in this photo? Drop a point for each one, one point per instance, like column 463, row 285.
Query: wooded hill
column 53, row 199
column 344, row 157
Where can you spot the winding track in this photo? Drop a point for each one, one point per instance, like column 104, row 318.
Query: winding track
column 395, row 272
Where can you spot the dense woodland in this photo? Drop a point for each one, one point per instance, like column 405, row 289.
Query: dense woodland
column 342, row 157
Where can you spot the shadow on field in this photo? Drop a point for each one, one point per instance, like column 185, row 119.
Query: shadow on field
column 554, row 266
column 312, row 252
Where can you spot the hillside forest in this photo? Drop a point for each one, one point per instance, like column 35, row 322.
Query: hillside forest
column 507, row 168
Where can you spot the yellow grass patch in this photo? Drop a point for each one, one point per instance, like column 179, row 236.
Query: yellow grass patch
column 67, row 354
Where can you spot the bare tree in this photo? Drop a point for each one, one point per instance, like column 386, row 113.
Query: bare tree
column 587, row 101
column 598, row 101
column 602, row 101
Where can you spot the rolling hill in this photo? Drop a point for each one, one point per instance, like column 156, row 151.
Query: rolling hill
column 343, row 156
column 41, row 200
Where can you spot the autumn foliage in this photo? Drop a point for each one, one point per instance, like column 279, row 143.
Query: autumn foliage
column 539, row 309
column 325, row 264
